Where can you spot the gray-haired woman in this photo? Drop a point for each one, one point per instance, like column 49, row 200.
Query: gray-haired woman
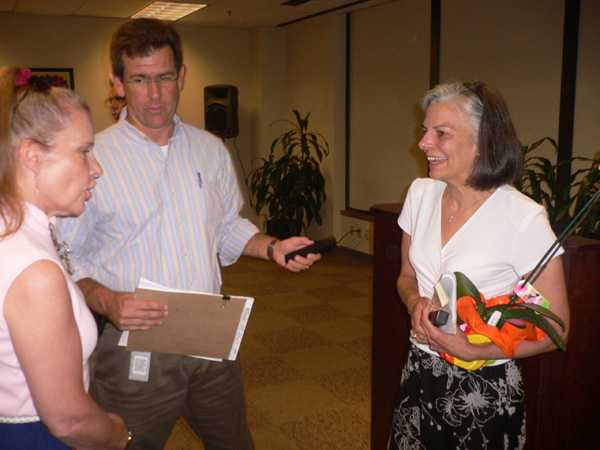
column 468, row 217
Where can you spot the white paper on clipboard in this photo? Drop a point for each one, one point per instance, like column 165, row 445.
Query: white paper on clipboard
column 199, row 324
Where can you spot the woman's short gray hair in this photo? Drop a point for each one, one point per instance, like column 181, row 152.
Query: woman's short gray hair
column 468, row 101
column 499, row 158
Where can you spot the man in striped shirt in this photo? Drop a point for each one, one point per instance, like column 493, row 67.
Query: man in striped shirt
column 167, row 209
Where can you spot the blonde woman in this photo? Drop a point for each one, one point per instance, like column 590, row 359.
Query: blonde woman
column 47, row 333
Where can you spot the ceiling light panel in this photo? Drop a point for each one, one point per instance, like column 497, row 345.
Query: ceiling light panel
column 168, row 10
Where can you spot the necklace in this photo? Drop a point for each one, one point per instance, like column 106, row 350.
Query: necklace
column 62, row 249
column 452, row 217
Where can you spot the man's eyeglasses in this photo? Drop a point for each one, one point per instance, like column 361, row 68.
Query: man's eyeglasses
column 144, row 81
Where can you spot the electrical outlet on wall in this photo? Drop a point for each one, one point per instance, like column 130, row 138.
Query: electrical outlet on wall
column 356, row 231
column 357, row 235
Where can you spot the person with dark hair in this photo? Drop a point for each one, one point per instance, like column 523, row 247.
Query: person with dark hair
column 467, row 217
column 129, row 43
column 167, row 209
column 47, row 332
column 114, row 102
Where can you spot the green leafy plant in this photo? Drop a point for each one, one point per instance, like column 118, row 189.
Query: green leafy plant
column 562, row 200
column 288, row 184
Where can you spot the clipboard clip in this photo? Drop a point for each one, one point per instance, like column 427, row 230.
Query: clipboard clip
column 224, row 300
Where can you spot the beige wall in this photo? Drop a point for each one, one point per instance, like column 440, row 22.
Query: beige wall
column 274, row 69
column 302, row 67
column 79, row 43
column 269, row 62
column 389, row 73
column 315, row 74
column 222, row 56
column 312, row 56
column 586, row 139
column 219, row 56
column 514, row 45
column 270, row 58
column 212, row 56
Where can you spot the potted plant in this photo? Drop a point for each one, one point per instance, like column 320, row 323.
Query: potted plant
column 288, row 183
column 562, row 201
column 550, row 375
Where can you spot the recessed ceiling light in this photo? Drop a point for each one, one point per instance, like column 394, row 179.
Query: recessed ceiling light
column 168, row 10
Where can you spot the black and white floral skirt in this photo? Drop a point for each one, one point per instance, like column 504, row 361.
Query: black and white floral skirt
column 445, row 407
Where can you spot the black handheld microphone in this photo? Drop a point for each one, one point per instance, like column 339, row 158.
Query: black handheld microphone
column 321, row 246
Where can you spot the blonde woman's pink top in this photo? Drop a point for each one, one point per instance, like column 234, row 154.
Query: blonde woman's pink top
column 31, row 243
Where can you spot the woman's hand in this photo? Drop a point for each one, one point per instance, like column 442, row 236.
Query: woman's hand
column 418, row 330
column 425, row 332
column 453, row 344
column 457, row 344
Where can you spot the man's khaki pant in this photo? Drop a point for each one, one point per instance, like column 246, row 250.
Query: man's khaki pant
column 208, row 394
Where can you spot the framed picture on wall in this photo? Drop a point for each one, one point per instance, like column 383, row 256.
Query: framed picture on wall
column 57, row 76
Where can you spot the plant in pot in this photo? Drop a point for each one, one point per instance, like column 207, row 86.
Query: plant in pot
column 562, row 201
column 288, row 183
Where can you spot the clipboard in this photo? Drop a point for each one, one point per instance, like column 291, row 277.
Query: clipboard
column 199, row 324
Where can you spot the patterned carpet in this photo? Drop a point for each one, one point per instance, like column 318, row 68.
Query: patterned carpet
column 305, row 356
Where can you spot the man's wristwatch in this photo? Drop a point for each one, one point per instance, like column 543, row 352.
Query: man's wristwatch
column 271, row 249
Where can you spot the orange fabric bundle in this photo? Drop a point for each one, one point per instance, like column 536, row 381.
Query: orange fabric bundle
column 506, row 337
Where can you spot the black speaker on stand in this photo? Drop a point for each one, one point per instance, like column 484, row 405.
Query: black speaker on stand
column 221, row 110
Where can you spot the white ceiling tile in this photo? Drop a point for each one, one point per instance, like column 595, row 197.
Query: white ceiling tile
column 221, row 13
